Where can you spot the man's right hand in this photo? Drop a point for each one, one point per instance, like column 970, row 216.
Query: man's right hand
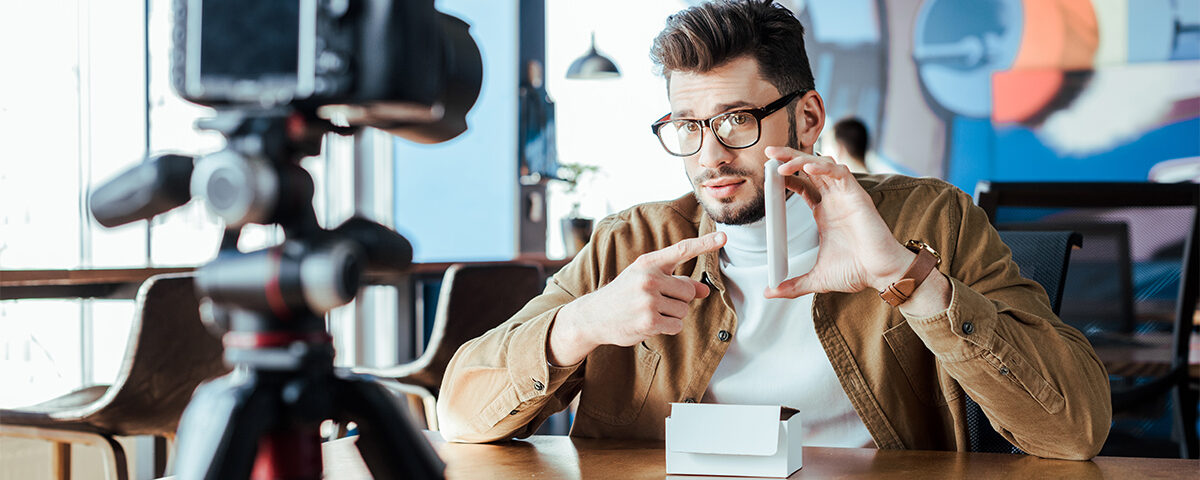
column 644, row 300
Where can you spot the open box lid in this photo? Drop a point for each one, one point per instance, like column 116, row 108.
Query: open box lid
column 726, row 429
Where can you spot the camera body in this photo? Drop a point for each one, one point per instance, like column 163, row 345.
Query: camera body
column 400, row 65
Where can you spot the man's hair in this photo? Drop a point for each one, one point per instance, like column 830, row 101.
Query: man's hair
column 852, row 134
column 707, row 36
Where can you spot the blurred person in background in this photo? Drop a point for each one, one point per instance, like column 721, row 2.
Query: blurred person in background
column 850, row 135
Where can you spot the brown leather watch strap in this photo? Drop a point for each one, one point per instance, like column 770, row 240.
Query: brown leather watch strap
column 899, row 291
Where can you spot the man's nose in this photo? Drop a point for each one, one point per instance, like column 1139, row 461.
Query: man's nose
column 713, row 153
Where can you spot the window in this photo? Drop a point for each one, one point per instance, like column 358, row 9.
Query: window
column 607, row 122
column 77, row 114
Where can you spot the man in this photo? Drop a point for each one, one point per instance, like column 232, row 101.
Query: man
column 669, row 302
column 851, row 136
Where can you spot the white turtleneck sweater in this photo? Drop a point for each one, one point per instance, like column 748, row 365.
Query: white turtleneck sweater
column 775, row 357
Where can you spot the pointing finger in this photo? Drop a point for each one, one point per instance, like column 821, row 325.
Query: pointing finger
column 666, row 259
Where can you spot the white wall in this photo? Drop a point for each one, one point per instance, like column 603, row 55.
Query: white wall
column 457, row 200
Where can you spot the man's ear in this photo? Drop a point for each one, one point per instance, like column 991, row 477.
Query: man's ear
column 810, row 110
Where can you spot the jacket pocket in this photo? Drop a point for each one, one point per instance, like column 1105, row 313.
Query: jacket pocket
column 616, row 383
column 917, row 362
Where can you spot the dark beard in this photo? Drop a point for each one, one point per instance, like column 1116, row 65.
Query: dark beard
column 750, row 213
column 729, row 214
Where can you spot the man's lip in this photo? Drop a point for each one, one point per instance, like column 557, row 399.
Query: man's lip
column 722, row 182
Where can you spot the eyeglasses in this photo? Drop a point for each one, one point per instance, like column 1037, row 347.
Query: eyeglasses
column 736, row 129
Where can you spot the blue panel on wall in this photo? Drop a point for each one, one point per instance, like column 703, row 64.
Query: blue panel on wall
column 1020, row 155
column 845, row 22
column 1151, row 30
column 458, row 200
column 979, row 152
column 969, row 155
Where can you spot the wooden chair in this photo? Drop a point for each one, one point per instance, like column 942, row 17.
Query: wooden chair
column 473, row 299
column 169, row 353
column 1141, row 306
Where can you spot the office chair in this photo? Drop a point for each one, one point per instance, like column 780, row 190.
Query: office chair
column 1132, row 289
column 169, row 353
column 473, row 299
column 1043, row 257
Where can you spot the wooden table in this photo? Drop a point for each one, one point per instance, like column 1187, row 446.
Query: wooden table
column 124, row 282
column 555, row 457
column 88, row 283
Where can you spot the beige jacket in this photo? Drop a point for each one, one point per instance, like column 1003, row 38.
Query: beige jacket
column 1037, row 379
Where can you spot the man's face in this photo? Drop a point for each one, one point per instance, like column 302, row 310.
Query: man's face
column 728, row 182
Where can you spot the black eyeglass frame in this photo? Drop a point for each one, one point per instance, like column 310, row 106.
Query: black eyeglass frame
column 758, row 113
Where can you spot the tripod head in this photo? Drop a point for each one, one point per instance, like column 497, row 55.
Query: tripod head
column 257, row 179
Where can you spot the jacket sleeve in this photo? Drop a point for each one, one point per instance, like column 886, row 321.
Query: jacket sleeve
column 500, row 385
column 1038, row 380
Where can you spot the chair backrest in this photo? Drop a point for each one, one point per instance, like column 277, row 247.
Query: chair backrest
column 170, row 352
column 1100, row 288
column 1133, row 285
column 1043, row 257
column 473, row 299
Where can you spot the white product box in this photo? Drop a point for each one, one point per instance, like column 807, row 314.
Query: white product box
column 739, row 440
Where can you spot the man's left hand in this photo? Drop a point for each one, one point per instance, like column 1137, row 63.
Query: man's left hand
column 857, row 250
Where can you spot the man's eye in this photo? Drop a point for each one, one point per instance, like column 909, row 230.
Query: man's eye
column 691, row 127
column 740, row 119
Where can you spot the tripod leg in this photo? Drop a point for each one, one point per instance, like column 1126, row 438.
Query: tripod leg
column 389, row 445
column 220, row 429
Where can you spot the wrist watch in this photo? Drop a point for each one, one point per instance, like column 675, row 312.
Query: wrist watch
column 900, row 290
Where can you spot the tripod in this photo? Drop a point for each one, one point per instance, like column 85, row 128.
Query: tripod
column 262, row 420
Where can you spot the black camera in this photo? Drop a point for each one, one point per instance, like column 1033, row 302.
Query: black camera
column 400, row 66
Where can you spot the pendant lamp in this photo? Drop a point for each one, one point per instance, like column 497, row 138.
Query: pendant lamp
column 593, row 65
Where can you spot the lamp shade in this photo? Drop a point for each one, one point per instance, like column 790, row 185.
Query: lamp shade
column 593, row 65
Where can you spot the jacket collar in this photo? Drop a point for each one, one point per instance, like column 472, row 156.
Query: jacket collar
column 708, row 265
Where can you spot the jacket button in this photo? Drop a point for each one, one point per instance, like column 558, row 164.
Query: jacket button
column 723, row 336
column 1003, row 370
column 968, row 328
column 689, row 400
column 514, row 412
column 538, row 385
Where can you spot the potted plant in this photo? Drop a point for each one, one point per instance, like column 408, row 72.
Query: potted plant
column 576, row 228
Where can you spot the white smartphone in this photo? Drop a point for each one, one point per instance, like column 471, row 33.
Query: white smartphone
column 774, row 192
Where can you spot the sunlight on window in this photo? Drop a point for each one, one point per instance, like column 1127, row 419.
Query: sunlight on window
column 40, row 354
column 79, row 108
column 39, row 209
column 111, row 322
